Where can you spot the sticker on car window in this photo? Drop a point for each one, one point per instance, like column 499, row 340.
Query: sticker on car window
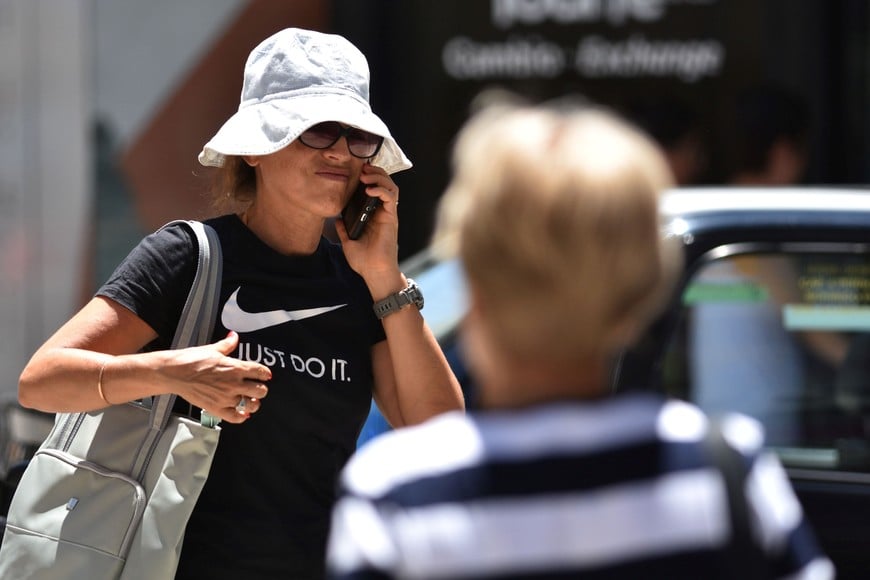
column 816, row 317
column 713, row 292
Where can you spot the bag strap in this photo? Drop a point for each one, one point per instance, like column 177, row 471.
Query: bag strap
column 743, row 556
column 198, row 316
column 194, row 328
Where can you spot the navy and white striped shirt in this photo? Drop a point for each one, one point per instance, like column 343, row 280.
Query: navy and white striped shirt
column 618, row 488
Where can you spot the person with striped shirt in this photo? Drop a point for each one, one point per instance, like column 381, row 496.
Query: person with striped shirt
column 553, row 213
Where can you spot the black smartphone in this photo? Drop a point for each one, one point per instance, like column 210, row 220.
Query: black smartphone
column 358, row 211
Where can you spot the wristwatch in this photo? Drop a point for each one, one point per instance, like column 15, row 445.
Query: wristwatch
column 395, row 302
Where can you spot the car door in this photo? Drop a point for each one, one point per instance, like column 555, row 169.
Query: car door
column 780, row 330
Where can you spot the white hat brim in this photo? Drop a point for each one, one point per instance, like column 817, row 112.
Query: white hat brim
column 268, row 126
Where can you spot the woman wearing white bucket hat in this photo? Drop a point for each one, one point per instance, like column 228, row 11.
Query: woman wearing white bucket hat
column 322, row 327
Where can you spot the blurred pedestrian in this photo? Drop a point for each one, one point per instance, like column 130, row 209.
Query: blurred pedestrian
column 554, row 215
column 675, row 126
column 321, row 327
column 769, row 137
column 743, row 357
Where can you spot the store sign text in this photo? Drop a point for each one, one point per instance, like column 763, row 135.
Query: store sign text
column 520, row 57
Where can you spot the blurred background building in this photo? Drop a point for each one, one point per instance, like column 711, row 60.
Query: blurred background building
column 104, row 105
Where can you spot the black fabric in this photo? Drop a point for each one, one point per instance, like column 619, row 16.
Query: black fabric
column 552, row 473
column 264, row 511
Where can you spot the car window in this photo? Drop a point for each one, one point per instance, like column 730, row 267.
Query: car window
column 784, row 338
column 443, row 285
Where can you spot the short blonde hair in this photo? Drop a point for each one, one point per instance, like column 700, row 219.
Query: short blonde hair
column 554, row 215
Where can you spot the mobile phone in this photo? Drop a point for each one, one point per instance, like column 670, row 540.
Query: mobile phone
column 358, row 211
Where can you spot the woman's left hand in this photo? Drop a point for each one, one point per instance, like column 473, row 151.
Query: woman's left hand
column 376, row 252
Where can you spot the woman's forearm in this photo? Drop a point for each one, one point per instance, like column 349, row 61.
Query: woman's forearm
column 61, row 380
column 424, row 382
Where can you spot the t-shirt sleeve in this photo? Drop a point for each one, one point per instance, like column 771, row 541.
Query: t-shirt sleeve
column 154, row 279
column 360, row 292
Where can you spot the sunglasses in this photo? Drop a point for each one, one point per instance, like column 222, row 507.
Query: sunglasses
column 324, row 135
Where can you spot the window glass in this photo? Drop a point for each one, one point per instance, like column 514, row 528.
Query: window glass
column 784, row 338
column 443, row 285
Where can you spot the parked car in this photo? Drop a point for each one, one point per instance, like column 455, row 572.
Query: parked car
column 771, row 318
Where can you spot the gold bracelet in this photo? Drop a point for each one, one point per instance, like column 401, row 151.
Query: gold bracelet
column 100, row 385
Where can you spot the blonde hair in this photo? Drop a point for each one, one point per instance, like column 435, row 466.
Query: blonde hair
column 554, row 215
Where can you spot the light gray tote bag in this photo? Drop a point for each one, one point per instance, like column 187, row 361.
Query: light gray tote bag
column 109, row 492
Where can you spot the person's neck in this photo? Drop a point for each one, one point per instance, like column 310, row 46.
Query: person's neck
column 289, row 233
column 523, row 385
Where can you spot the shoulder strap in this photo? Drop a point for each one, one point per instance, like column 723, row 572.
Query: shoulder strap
column 195, row 325
column 744, row 556
column 198, row 316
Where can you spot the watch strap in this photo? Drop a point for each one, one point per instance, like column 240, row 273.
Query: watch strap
column 394, row 302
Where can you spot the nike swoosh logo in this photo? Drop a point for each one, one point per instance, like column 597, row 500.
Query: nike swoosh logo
column 234, row 318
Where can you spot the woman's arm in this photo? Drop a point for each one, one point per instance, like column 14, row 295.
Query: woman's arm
column 93, row 360
column 413, row 380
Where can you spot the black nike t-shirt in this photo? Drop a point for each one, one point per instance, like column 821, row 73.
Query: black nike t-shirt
column 265, row 508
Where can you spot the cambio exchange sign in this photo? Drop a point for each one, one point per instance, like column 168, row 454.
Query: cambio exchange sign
column 605, row 40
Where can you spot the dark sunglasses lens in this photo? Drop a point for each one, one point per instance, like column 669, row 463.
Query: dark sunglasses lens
column 322, row 135
column 362, row 143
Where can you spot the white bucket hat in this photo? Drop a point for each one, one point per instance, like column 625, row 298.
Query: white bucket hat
column 293, row 80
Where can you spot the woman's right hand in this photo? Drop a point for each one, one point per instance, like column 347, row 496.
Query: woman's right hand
column 207, row 377
column 96, row 360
